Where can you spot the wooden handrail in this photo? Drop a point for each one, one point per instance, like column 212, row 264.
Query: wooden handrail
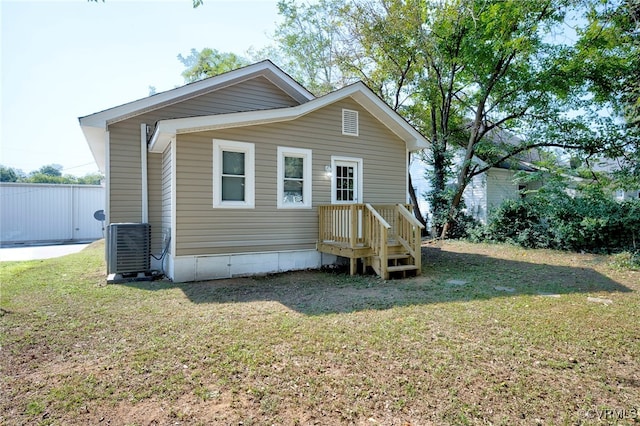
column 375, row 214
column 402, row 209
column 409, row 232
column 364, row 228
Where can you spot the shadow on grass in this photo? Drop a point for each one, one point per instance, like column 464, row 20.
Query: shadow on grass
column 446, row 277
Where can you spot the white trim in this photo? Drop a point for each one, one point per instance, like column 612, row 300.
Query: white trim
column 220, row 145
column 160, row 100
column 107, row 194
column 335, row 159
column 359, row 92
column 174, row 197
column 143, row 174
column 307, row 196
column 406, row 177
column 348, row 118
column 208, row 267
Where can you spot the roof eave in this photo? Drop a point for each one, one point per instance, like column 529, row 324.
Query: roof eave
column 167, row 129
column 265, row 68
column 96, row 139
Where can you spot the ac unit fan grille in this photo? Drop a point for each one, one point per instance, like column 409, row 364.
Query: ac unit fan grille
column 129, row 247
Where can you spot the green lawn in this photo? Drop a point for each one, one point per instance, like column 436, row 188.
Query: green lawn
column 487, row 335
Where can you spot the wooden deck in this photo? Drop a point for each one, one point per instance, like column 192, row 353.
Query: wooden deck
column 384, row 237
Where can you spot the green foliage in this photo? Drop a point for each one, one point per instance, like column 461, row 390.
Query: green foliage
column 627, row 260
column 7, row 174
column 208, row 63
column 591, row 222
column 51, row 173
column 457, row 70
column 54, row 170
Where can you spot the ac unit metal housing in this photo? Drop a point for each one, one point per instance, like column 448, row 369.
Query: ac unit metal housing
column 129, row 248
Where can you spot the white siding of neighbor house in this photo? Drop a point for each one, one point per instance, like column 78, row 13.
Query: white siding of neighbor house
column 475, row 197
column 500, row 186
column 49, row 212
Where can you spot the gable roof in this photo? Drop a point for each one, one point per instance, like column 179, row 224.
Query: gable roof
column 94, row 126
column 359, row 92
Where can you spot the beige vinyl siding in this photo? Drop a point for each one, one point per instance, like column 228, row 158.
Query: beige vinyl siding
column 125, row 186
column 154, row 176
column 167, row 160
column 201, row 229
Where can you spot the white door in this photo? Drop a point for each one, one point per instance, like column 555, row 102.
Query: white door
column 346, row 183
column 346, row 187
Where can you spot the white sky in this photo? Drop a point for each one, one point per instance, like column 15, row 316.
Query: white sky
column 65, row 59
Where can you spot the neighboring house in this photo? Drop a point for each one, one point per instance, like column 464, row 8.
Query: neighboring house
column 484, row 192
column 235, row 172
column 49, row 213
column 610, row 166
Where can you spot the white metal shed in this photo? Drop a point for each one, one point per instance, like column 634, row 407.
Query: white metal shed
column 31, row 213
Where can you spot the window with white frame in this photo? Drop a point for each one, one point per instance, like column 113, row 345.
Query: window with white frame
column 294, row 178
column 233, row 174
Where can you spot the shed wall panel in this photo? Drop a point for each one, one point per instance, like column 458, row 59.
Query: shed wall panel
column 49, row 213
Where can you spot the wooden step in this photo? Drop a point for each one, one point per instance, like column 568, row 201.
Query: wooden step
column 398, row 256
column 401, row 268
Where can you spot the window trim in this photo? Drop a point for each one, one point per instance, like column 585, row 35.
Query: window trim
column 307, row 176
column 220, row 145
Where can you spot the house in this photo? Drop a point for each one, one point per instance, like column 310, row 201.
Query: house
column 485, row 191
column 248, row 173
column 610, row 167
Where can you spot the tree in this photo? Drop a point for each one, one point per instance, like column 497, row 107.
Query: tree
column 8, row 174
column 48, row 170
column 209, row 62
column 464, row 71
column 309, row 42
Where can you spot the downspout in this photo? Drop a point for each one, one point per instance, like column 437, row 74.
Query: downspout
column 143, row 171
column 107, row 194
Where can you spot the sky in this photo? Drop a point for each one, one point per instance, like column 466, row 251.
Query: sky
column 61, row 60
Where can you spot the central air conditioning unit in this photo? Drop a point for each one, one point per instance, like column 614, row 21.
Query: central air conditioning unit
column 129, row 248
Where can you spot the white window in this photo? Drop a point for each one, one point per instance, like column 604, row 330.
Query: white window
column 294, row 178
column 620, row 194
column 233, row 174
column 349, row 122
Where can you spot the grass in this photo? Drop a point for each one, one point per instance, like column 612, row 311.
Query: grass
column 489, row 334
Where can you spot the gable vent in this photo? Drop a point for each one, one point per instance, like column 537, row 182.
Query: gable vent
column 349, row 122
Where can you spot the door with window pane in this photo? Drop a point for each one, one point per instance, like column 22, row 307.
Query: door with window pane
column 346, row 182
column 346, row 189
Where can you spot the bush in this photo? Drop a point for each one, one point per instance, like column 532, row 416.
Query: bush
column 627, row 260
column 592, row 222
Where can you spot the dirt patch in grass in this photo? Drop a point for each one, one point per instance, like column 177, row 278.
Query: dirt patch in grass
column 316, row 347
